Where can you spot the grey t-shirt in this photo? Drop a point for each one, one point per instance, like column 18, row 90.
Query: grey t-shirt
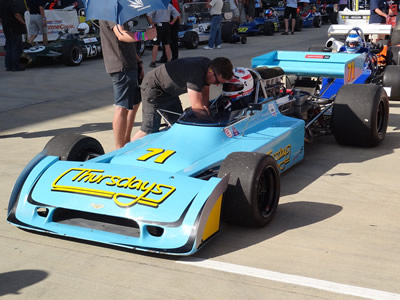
column 175, row 77
column 118, row 56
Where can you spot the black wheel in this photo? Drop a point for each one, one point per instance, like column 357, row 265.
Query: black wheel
column 317, row 21
column 72, row 54
column 299, row 24
column 334, row 18
column 140, row 47
column 74, row 147
column 243, row 39
column 395, row 38
column 228, row 31
column 268, row 28
column 391, row 78
column 191, row 40
column 393, row 52
column 253, row 191
column 360, row 115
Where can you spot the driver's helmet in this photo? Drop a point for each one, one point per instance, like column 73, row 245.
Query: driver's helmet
column 193, row 19
column 353, row 43
column 268, row 13
column 241, row 84
column 83, row 28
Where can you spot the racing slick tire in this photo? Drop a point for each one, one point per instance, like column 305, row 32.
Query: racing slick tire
column 317, row 21
column 228, row 31
column 268, row 28
column 72, row 54
column 191, row 40
column 393, row 52
column 243, row 39
column 299, row 24
column 395, row 38
column 73, row 147
column 253, row 191
column 391, row 78
column 360, row 115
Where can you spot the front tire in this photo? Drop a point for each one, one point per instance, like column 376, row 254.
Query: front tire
column 360, row 115
column 253, row 191
column 73, row 147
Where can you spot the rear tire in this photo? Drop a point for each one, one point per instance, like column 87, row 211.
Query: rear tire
column 360, row 115
column 299, row 24
column 391, row 78
column 74, row 147
column 253, row 191
column 268, row 28
column 228, row 31
column 72, row 54
column 317, row 21
column 191, row 40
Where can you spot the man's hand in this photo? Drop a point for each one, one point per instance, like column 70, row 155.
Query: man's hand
column 151, row 33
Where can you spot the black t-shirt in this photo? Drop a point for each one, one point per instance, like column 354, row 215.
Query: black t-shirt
column 118, row 56
column 181, row 74
column 34, row 5
column 8, row 9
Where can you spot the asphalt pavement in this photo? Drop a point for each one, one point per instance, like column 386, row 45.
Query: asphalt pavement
column 336, row 234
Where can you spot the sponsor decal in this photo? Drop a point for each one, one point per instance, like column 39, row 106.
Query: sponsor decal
column 228, row 132
column 282, row 156
column 318, row 56
column 131, row 190
column 235, row 131
column 90, row 40
column 243, row 29
column 271, row 109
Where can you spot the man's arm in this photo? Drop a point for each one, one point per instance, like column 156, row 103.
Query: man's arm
column 199, row 100
column 19, row 18
column 130, row 37
column 42, row 13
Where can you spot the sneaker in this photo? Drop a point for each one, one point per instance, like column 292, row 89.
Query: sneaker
column 207, row 48
column 219, row 47
column 152, row 64
column 292, row 33
column 285, row 33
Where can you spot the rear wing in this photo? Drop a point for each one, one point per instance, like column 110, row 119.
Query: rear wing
column 314, row 64
column 341, row 29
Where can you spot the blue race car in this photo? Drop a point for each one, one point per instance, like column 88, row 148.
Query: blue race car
column 269, row 23
column 168, row 192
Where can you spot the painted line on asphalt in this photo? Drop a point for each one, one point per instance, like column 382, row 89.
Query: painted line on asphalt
column 333, row 287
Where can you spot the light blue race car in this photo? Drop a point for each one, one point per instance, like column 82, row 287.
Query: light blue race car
column 169, row 191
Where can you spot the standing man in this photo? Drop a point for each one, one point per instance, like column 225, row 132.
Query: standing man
column 160, row 19
column 290, row 11
column 37, row 20
column 122, row 63
column 162, row 87
column 216, row 19
column 13, row 27
column 379, row 11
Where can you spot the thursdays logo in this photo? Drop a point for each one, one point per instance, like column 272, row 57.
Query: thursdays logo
column 282, row 156
column 132, row 190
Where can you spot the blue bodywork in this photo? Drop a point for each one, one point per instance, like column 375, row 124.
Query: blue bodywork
column 150, row 194
column 257, row 25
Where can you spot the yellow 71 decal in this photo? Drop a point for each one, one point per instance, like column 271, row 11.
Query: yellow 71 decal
column 163, row 155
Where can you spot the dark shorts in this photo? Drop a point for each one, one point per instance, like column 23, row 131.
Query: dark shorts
column 126, row 91
column 290, row 11
column 163, row 34
column 153, row 99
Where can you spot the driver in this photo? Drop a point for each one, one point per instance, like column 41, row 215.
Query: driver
column 353, row 44
column 240, row 88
